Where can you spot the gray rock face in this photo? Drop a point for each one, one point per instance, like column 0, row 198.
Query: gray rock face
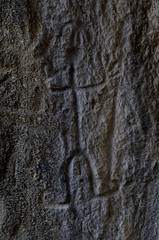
column 79, row 120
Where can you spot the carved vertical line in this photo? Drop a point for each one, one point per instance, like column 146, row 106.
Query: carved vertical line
column 111, row 137
column 76, row 105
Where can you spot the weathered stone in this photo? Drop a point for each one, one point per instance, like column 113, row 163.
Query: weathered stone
column 79, row 120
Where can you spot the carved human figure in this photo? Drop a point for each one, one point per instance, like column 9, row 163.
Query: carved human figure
column 75, row 78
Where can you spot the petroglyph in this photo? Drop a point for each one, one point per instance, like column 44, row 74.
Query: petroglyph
column 79, row 119
column 56, row 84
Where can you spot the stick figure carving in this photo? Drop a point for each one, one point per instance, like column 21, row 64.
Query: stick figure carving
column 68, row 50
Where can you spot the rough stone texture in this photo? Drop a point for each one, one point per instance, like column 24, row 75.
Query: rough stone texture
column 79, row 119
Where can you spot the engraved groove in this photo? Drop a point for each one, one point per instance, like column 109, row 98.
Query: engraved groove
column 111, row 136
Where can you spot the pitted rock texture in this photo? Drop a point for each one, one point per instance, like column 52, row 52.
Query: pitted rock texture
column 79, row 120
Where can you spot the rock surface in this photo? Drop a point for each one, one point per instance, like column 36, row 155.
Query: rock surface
column 79, row 120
